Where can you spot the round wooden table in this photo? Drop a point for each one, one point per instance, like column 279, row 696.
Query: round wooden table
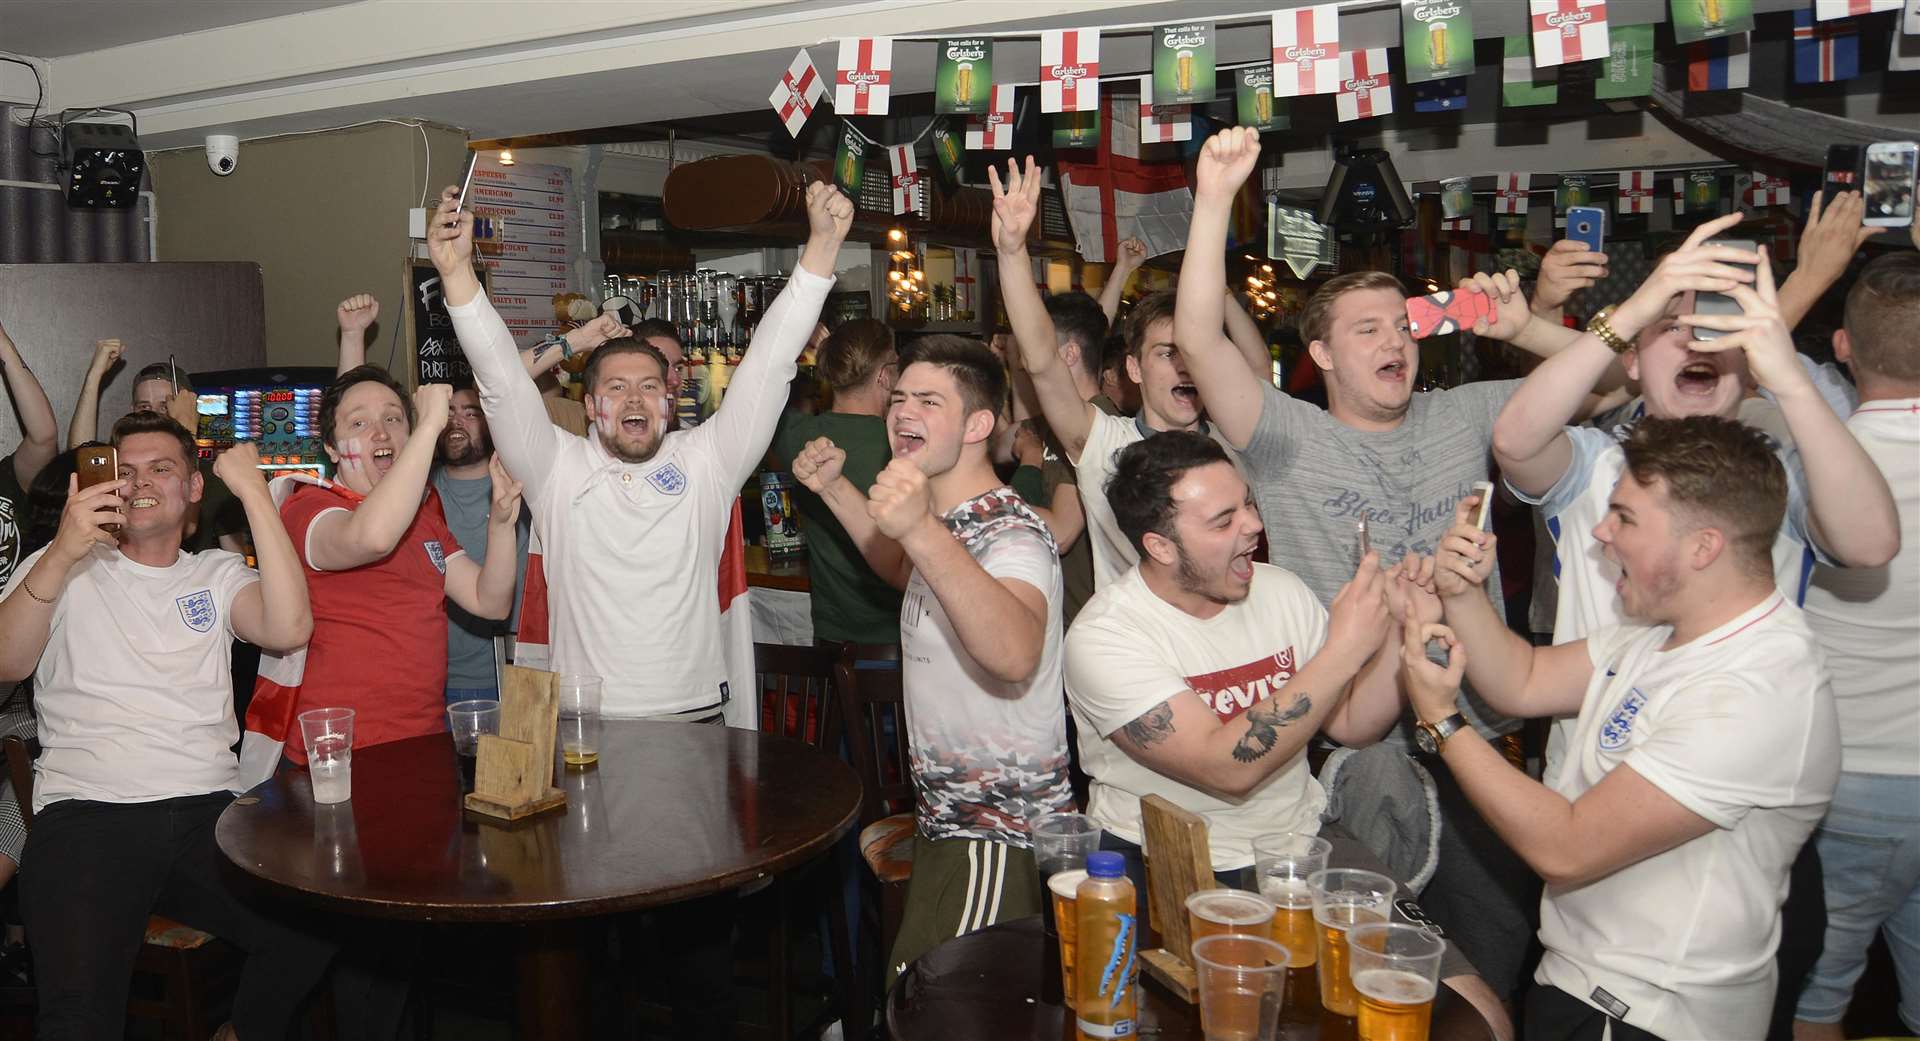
column 672, row 811
column 1004, row 982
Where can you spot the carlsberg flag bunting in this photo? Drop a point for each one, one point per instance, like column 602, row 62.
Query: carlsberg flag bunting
column 1366, row 87
column 905, row 179
column 797, row 93
column 1825, row 9
column 1567, row 31
column 1635, row 194
column 964, row 79
column 1183, row 68
column 1306, row 51
column 1069, row 70
column 865, row 77
column 1160, row 124
column 1436, row 39
column 993, row 131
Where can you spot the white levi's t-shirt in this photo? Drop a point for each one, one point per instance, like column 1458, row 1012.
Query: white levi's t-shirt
column 1738, row 726
column 134, row 692
column 1129, row 651
column 1113, row 553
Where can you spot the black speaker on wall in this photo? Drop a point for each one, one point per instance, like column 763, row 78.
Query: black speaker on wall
column 103, row 163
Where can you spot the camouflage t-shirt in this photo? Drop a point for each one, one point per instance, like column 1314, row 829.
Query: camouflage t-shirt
column 988, row 757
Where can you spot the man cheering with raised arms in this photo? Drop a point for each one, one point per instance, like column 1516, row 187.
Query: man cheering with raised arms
column 632, row 514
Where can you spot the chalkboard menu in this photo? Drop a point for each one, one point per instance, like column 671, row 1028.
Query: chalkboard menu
column 436, row 349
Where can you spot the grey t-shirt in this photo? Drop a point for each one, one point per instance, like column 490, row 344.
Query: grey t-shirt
column 1314, row 477
column 470, row 639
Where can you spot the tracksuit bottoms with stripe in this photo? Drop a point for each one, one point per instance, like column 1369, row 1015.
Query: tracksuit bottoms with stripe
column 960, row 885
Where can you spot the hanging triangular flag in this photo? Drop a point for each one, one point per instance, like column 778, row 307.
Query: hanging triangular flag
column 994, row 131
column 1160, row 124
column 1824, row 53
column 1635, row 194
column 1719, row 63
column 1769, row 190
column 905, row 178
column 1069, row 70
column 1448, row 95
column 1510, row 192
column 864, row 82
column 1366, row 85
column 1825, row 10
column 1628, row 70
column 1306, row 51
column 798, row 92
column 1567, row 31
column 1521, row 82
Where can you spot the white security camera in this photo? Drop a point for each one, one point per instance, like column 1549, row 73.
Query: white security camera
column 223, row 153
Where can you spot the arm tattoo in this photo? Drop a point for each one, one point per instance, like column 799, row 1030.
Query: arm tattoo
column 1154, row 726
column 1265, row 720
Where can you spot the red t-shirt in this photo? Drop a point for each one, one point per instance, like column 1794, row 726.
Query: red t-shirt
column 379, row 642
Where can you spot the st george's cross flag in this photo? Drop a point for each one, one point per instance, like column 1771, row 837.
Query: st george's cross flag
column 1306, row 51
column 864, row 81
column 1119, row 195
column 1826, row 10
column 1160, row 124
column 1566, row 31
column 1510, row 192
column 1366, row 85
column 797, row 94
column 1069, row 70
column 904, row 178
column 1824, row 52
column 994, row 130
column 1635, row 194
column 1719, row 63
column 1768, row 190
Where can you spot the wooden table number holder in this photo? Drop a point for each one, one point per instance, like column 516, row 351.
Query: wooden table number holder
column 1180, row 865
column 513, row 777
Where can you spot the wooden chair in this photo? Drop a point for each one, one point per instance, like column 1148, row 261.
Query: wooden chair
column 195, row 971
column 873, row 712
column 795, row 688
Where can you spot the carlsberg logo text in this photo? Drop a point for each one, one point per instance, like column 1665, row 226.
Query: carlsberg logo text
column 1068, row 73
column 1303, row 54
column 1428, row 14
column 1569, row 20
column 1261, row 78
column 969, row 53
column 862, row 79
column 1183, row 36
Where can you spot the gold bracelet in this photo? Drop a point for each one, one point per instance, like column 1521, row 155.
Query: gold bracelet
column 36, row 596
column 1597, row 325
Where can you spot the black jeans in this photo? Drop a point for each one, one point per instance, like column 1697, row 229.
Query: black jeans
column 92, row 874
column 1554, row 1015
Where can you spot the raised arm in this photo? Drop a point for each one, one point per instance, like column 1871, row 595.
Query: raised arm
column 1568, row 267
column 85, row 424
column 355, row 314
column 743, row 426
column 39, row 431
column 1016, row 202
column 1218, row 368
column 817, row 466
column 1133, row 253
column 1182, row 738
column 516, row 417
column 1850, row 511
column 26, row 614
column 485, row 590
column 273, row 613
column 341, row 540
column 1832, row 236
column 585, row 338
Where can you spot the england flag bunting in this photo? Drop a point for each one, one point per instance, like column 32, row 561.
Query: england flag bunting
column 1825, row 53
column 993, row 131
column 1680, row 195
column 1069, row 70
column 1306, row 51
column 1635, row 194
column 1510, row 192
column 864, row 82
column 1456, row 223
column 1567, row 31
column 1171, row 123
column 1719, row 63
column 797, row 94
column 1829, row 9
column 906, row 178
column 1769, row 191
column 1366, row 86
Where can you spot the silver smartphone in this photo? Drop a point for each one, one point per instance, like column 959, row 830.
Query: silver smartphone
column 1483, row 513
column 1362, row 545
column 473, row 160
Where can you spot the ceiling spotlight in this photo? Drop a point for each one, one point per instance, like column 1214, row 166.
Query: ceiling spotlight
column 506, row 157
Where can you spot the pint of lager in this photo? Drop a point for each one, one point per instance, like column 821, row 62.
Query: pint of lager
column 1213, row 912
column 1263, row 114
column 1437, row 44
column 963, row 88
column 1396, row 969
column 1186, row 71
column 1342, row 899
column 1292, row 918
column 1063, row 885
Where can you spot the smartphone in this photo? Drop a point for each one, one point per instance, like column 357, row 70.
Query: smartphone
column 1362, row 544
column 1719, row 303
column 473, row 160
column 1887, row 183
column 1843, row 172
column 1483, row 513
column 98, row 464
column 1587, row 224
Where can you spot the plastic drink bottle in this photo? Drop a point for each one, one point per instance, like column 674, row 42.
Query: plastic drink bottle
column 1107, row 1001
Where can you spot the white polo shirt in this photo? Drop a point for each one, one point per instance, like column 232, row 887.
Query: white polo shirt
column 134, row 692
column 1739, row 727
column 1130, row 650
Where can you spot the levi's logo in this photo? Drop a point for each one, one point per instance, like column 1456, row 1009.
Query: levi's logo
column 1233, row 691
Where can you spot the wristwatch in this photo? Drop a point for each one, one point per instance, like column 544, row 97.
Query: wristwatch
column 1431, row 737
column 1600, row 327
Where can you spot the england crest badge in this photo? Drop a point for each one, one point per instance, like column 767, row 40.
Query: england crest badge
column 1619, row 726
column 668, row 479
column 197, row 610
column 437, row 554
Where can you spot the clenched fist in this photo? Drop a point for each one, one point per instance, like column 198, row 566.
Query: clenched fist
column 818, row 464
column 357, row 312
column 899, row 500
column 432, row 406
column 239, row 468
column 105, row 353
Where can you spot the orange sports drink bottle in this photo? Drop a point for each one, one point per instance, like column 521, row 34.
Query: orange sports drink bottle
column 1105, row 972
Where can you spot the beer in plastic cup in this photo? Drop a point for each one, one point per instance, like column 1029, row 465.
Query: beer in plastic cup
column 1241, row 980
column 1063, row 885
column 1061, row 842
column 1282, row 864
column 1342, row 899
column 1213, row 912
column 1396, row 970
column 327, row 734
column 579, row 718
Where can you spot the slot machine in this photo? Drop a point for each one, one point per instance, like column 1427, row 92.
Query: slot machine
column 278, row 409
